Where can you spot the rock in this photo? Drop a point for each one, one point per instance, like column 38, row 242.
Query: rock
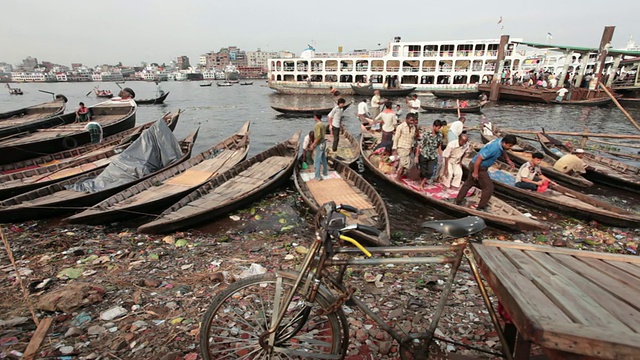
column 113, row 313
column 152, row 283
column 169, row 240
column 73, row 331
column 70, row 297
column 96, row 330
column 66, row 350
column 384, row 347
column 140, row 324
column 81, row 318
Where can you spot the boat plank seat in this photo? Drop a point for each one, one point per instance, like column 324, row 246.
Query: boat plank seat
column 569, row 302
column 339, row 191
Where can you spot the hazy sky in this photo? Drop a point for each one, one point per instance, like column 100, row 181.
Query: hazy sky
column 97, row 32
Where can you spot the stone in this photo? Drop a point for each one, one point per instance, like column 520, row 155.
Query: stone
column 66, row 350
column 73, row 331
column 70, row 297
column 113, row 313
column 96, row 330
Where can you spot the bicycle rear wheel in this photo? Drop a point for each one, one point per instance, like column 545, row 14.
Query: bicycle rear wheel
column 238, row 316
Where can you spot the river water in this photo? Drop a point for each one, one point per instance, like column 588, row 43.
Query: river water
column 220, row 111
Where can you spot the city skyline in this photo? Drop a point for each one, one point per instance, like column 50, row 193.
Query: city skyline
column 160, row 31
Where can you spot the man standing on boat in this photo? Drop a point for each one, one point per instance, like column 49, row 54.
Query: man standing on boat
column 388, row 119
column 376, row 103
column 414, row 105
column 363, row 112
column 429, row 150
column 403, row 144
column 455, row 129
column 479, row 176
column 319, row 147
column 335, row 121
column 452, row 156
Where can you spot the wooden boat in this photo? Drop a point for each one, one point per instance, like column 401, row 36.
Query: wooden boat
column 224, row 83
column 206, row 84
column 599, row 101
column 631, row 102
column 114, row 116
column 522, row 152
column 499, row 212
column 308, row 89
column 468, row 109
column 14, row 91
column 103, row 93
column 369, row 91
column 348, row 147
column 67, row 156
column 18, row 182
column 245, row 83
column 600, row 169
column 343, row 185
column 156, row 101
column 521, row 93
column 456, row 94
column 306, row 111
column 562, row 199
column 244, row 183
column 55, row 199
column 33, row 117
column 157, row 193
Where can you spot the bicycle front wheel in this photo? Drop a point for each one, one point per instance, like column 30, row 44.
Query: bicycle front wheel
column 238, row 316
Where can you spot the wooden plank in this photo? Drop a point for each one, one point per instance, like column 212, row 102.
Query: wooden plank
column 629, row 268
column 610, row 305
column 524, row 302
column 573, row 302
column 556, row 250
column 37, row 338
column 579, row 339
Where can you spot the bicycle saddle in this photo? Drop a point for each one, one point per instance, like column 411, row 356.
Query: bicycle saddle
column 457, row 227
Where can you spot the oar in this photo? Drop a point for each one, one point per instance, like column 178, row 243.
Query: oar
column 90, row 91
column 119, row 86
column 48, row 92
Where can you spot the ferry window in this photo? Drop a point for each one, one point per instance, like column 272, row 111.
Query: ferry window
column 346, row 65
column 302, row 65
column 429, row 65
column 412, row 50
column 460, row 79
column 409, row 79
column 477, row 65
column 446, row 50
column 479, row 50
column 509, row 49
column 493, row 49
column 474, row 79
column 445, row 65
column 279, row 78
column 289, row 78
column 331, row 65
column 362, row 65
column 377, row 65
column 393, row 66
column 279, row 66
column 301, row 78
column 346, row 78
column 490, row 65
column 516, row 64
column 396, row 50
column 288, row 66
column 444, row 79
column 426, row 79
column 316, row 65
column 331, row 78
column 376, row 79
column 462, row 65
column 507, row 64
column 361, row 78
column 464, row 50
column 410, row 66
column 430, row 50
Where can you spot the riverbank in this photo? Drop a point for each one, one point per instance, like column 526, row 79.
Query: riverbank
column 117, row 294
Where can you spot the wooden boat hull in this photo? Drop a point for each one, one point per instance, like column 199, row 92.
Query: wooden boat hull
column 196, row 208
column 306, row 111
column 561, row 199
column 369, row 91
column 31, row 118
column 26, row 206
column 600, row 169
column 348, row 148
column 307, row 90
column 631, row 102
column 347, row 187
column 504, row 215
column 456, row 94
column 521, row 153
column 439, row 109
column 156, row 101
column 167, row 185
column 521, row 93
column 115, row 117
column 600, row 101
column 20, row 182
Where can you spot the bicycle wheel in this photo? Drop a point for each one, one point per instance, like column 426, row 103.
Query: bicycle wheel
column 238, row 316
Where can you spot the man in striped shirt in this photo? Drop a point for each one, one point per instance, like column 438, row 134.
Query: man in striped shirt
column 403, row 143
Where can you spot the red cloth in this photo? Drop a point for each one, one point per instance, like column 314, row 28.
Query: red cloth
column 543, row 187
column 503, row 312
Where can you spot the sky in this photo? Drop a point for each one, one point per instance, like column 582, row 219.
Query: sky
column 133, row 31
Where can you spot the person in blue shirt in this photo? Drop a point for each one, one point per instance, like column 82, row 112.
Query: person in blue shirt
column 486, row 157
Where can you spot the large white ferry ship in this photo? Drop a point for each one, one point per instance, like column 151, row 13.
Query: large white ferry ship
column 430, row 65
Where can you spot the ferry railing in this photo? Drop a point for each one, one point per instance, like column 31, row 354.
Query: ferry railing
column 429, row 69
column 409, row 69
column 430, row 53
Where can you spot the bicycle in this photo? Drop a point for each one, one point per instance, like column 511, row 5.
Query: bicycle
column 286, row 315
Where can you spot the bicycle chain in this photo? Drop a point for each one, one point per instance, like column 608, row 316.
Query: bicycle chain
column 340, row 300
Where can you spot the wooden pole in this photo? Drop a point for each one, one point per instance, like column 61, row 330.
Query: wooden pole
column 578, row 134
column 25, row 293
column 494, row 93
column 603, row 50
column 615, row 101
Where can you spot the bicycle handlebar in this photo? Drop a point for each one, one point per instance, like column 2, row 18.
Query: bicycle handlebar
column 348, row 208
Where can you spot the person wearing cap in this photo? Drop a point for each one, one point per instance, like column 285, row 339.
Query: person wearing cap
column 530, row 174
column 571, row 163
column 376, row 104
column 413, row 105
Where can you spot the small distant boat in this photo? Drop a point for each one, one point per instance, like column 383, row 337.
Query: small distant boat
column 224, row 83
column 343, row 185
column 206, row 84
column 14, row 91
column 523, row 151
column 599, row 101
column 156, row 101
column 103, row 93
column 157, row 193
column 522, row 93
column 33, row 117
column 456, row 94
column 306, row 110
column 246, row 182
column 247, row 83
column 369, row 91
column 444, row 109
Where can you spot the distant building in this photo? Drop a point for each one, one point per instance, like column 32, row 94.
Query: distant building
column 203, row 60
column 260, row 58
column 76, row 66
column 183, row 62
column 29, row 63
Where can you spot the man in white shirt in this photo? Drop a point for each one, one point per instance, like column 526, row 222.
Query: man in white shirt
column 335, row 120
column 453, row 155
column 413, row 105
column 456, row 129
column 376, row 104
column 561, row 93
column 363, row 112
column 388, row 119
